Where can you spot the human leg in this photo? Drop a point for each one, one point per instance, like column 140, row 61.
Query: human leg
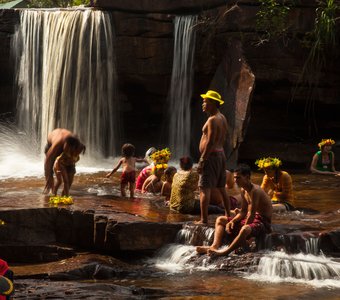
column 220, row 226
column 237, row 242
column 59, row 180
column 204, row 202
column 226, row 200
column 132, row 189
column 122, row 189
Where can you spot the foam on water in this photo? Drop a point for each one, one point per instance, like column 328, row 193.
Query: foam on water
column 318, row 271
column 20, row 156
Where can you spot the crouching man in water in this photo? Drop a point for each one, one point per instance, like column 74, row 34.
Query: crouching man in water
column 253, row 220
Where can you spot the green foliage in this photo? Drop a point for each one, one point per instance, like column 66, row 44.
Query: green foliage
column 58, row 3
column 272, row 21
column 321, row 41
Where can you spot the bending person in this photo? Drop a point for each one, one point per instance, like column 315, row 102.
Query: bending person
column 277, row 184
column 323, row 160
column 54, row 147
column 253, row 220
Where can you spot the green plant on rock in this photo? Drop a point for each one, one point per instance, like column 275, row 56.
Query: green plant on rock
column 321, row 42
column 271, row 19
column 58, row 3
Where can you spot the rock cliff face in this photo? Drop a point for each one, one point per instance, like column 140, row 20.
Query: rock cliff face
column 144, row 52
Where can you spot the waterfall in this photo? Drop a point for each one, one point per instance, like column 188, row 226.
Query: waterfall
column 302, row 268
column 180, row 94
column 65, row 73
column 180, row 256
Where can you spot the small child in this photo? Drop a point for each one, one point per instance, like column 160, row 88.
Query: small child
column 65, row 164
column 153, row 184
column 128, row 163
column 166, row 187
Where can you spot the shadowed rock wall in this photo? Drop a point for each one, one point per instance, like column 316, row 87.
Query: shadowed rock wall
column 144, row 49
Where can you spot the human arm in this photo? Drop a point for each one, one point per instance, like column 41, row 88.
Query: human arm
column 266, row 185
column 314, row 170
column 146, row 184
column 141, row 160
column 286, row 186
column 51, row 155
column 240, row 214
column 115, row 168
column 210, row 132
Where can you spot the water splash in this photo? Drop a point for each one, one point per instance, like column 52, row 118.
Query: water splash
column 309, row 269
column 66, row 76
column 181, row 86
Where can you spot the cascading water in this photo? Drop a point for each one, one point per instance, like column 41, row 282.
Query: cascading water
column 298, row 268
column 181, row 86
column 66, row 76
column 176, row 257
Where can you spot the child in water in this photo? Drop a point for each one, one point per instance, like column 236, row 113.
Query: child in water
column 166, row 187
column 65, row 164
column 153, row 184
column 128, row 163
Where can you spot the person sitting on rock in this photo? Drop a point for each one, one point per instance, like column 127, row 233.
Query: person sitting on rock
column 277, row 184
column 323, row 160
column 153, row 184
column 6, row 281
column 253, row 220
column 184, row 185
column 216, row 197
column 146, row 171
column 166, row 187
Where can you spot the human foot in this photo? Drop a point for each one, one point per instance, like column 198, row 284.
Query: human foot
column 217, row 252
column 202, row 249
column 201, row 222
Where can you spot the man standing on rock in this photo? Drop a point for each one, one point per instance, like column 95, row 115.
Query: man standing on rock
column 212, row 163
column 253, row 220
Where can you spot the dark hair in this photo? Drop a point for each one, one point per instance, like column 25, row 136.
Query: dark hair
column 243, row 169
column 75, row 144
column 170, row 170
column 185, row 163
column 128, row 150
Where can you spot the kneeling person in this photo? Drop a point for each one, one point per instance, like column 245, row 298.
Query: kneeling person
column 253, row 220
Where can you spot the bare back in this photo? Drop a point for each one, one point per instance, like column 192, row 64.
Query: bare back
column 128, row 164
column 214, row 133
column 257, row 201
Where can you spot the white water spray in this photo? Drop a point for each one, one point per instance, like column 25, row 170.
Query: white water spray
column 181, row 86
column 66, row 76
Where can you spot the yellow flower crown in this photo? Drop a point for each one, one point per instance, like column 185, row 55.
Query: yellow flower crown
column 161, row 156
column 326, row 142
column 268, row 162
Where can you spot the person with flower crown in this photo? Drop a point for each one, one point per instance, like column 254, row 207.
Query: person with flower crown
column 153, row 184
column 323, row 160
column 146, row 171
column 276, row 183
column 212, row 163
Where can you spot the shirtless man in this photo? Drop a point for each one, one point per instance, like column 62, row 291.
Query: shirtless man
column 54, row 147
column 212, row 163
column 253, row 220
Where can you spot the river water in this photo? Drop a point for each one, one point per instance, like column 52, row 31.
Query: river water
column 317, row 194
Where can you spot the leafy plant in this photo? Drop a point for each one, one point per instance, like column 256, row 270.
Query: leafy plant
column 321, row 41
column 58, row 3
column 271, row 19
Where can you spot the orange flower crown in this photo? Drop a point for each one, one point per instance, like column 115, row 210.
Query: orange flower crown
column 326, row 142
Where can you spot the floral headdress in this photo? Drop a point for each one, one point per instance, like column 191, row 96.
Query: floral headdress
column 326, row 142
column 268, row 162
column 160, row 158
